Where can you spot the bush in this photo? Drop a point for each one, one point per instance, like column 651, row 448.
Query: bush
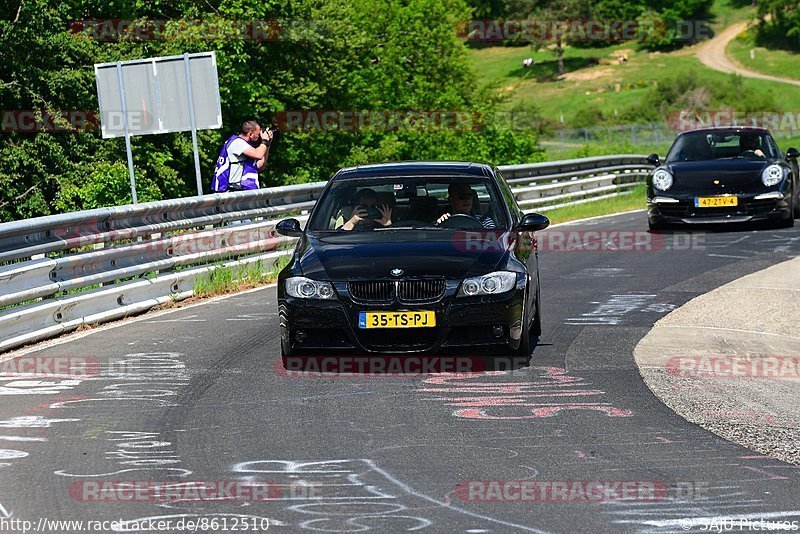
column 588, row 116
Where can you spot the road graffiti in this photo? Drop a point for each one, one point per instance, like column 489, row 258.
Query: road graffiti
column 24, row 422
column 136, row 451
column 612, row 311
column 151, row 377
column 33, row 421
column 356, row 495
column 37, row 387
column 546, row 392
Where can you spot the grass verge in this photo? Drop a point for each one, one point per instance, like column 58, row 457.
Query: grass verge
column 224, row 280
column 630, row 200
column 781, row 63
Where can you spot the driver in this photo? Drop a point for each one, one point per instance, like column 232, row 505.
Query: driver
column 749, row 143
column 365, row 199
column 461, row 198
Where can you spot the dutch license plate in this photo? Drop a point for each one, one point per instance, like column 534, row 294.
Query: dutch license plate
column 409, row 319
column 716, row 202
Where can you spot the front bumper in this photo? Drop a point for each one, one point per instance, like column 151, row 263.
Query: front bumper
column 749, row 208
column 464, row 325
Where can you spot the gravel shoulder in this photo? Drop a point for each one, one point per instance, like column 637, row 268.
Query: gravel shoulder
column 728, row 361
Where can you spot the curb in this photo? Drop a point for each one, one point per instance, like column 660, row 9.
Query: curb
column 729, row 361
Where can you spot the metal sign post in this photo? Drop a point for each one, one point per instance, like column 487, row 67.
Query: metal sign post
column 194, row 126
column 127, row 132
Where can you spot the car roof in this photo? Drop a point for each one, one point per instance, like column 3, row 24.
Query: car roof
column 732, row 129
column 416, row 168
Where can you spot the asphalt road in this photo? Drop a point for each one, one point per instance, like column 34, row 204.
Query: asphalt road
column 195, row 396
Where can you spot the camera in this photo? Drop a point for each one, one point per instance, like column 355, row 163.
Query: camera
column 372, row 212
column 276, row 132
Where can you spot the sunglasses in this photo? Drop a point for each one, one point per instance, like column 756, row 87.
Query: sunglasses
column 462, row 196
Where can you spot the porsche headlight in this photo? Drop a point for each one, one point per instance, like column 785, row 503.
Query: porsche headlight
column 662, row 179
column 772, row 175
column 488, row 284
column 306, row 288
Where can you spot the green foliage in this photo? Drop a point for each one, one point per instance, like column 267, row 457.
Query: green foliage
column 589, row 115
column 330, row 55
column 779, row 24
column 488, row 9
column 223, row 279
column 688, row 91
column 107, row 184
column 660, row 20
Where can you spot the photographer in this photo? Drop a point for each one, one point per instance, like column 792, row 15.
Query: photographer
column 240, row 159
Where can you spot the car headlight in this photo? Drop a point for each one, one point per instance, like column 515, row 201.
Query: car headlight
column 306, row 288
column 662, row 179
column 772, row 175
column 488, row 284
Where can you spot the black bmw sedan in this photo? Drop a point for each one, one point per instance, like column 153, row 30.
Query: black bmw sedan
column 721, row 175
column 415, row 257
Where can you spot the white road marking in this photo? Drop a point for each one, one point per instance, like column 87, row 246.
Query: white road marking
column 727, row 256
column 187, row 319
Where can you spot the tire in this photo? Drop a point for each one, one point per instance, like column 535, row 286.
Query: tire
column 286, row 352
column 655, row 227
column 536, row 330
column 534, row 327
column 524, row 348
column 795, row 205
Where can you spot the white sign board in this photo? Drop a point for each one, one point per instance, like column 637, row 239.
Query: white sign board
column 156, row 95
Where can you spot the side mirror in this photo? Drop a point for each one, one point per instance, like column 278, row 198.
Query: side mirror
column 533, row 222
column 792, row 153
column 653, row 160
column 289, row 227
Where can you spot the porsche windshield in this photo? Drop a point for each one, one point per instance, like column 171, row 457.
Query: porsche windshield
column 703, row 146
column 383, row 203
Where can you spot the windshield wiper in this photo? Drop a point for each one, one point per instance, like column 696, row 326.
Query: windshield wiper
column 401, row 227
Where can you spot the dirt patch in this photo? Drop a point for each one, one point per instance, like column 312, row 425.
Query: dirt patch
column 582, row 76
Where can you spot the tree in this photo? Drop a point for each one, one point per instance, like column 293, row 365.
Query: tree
column 328, row 55
column 554, row 13
column 779, row 24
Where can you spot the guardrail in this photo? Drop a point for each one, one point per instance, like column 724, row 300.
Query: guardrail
column 88, row 267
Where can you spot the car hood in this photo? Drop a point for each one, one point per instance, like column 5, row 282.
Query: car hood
column 373, row 255
column 732, row 175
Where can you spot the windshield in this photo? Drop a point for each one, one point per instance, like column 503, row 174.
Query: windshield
column 702, row 146
column 396, row 203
